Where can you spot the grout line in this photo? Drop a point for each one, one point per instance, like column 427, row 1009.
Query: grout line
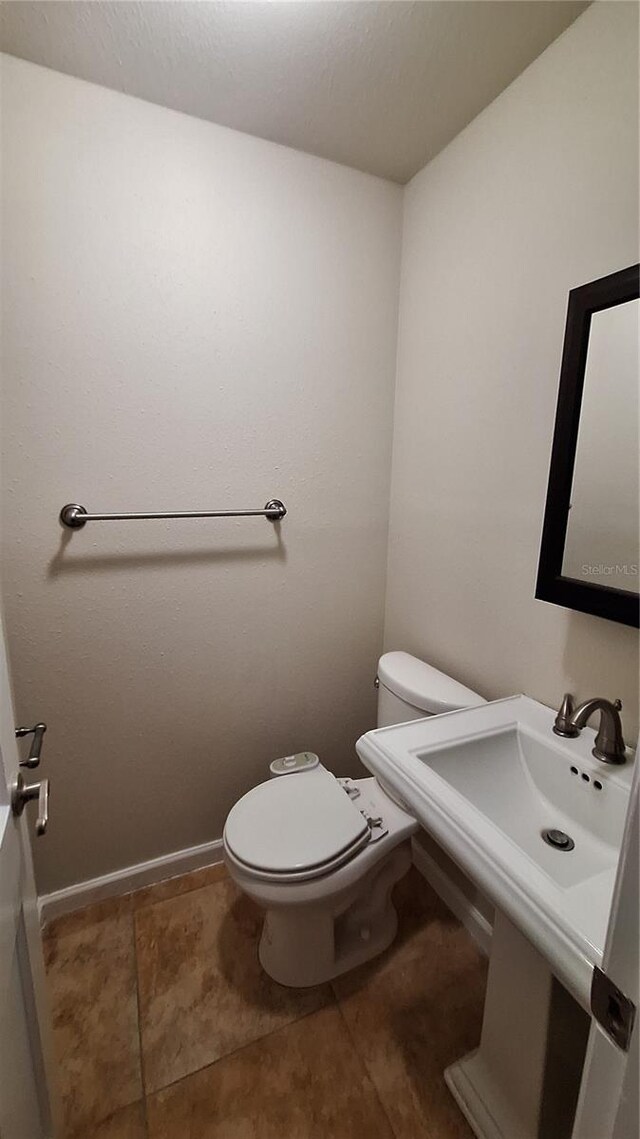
column 363, row 1063
column 333, row 1001
column 241, row 1048
column 114, row 1110
column 140, row 1051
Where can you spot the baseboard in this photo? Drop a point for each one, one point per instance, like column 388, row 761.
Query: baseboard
column 460, row 1084
column 472, row 919
column 129, row 878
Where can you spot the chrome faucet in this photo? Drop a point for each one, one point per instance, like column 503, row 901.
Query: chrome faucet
column 609, row 744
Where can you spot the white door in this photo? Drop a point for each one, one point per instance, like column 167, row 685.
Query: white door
column 25, row 1048
column 609, row 1094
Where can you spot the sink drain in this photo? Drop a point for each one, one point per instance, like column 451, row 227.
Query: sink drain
column 558, row 839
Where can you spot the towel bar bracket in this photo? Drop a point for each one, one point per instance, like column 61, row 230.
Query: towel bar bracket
column 71, row 516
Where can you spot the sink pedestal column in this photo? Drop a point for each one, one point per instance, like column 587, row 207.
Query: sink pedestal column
column 507, row 1088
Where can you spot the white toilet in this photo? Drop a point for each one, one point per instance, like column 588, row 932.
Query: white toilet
column 321, row 855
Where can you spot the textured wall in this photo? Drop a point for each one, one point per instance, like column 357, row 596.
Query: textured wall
column 539, row 194
column 192, row 318
column 381, row 87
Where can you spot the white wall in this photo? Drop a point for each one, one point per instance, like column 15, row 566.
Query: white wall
column 192, row 318
column 539, row 194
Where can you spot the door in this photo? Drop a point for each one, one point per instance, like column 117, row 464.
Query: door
column 609, row 1093
column 25, row 1043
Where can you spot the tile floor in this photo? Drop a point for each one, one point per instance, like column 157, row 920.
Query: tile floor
column 166, row 1027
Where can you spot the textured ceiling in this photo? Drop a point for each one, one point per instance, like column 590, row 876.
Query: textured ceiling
column 381, row 86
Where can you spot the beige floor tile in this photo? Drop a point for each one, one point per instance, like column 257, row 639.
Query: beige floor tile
column 414, row 1011
column 202, row 990
column 179, row 884
column 90, row 963
column 127, row 1123
column 303, row 1082
column 88, row 916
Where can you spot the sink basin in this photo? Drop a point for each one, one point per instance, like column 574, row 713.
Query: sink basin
column 526, row 786
column 490, row 783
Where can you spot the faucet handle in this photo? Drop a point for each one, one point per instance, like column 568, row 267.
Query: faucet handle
column 617, row 705
column 562, row 724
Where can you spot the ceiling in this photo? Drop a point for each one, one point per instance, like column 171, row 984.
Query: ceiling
column 381, row 85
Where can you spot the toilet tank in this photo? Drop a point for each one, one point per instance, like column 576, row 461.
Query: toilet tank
column 409, row 689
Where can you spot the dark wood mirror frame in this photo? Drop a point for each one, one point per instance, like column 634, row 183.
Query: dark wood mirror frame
column 601, row 600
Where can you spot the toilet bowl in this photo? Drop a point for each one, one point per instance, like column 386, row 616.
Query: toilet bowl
column 321, row 855
column 321, row 858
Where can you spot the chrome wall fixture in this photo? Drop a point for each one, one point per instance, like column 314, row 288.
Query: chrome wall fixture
column 75, row 517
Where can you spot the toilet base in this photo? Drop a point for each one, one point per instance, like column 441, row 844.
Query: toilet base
column 308, row 945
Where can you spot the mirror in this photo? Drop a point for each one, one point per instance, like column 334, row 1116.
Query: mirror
column 589, row 551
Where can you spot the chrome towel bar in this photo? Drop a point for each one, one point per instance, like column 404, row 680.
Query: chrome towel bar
column 75, row 517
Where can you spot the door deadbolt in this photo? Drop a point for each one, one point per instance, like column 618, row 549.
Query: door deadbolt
column 37, row 731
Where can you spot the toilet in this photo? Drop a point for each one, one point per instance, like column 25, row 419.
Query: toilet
column 321, row 854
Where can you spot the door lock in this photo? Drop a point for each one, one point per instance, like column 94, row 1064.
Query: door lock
column 37, row 731
column 22, row 793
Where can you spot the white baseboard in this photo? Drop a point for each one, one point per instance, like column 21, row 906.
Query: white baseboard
column 459, row 1080
column 472, row 919
column 129, row 878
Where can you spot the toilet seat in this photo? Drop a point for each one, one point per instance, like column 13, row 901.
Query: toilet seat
column 306, row 875
column 297, row 828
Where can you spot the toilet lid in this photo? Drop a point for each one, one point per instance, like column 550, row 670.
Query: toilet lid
column 294, row 824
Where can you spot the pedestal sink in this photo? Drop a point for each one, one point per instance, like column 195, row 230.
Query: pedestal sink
column 537, row 823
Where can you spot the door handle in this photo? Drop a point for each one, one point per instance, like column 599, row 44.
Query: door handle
column 22, row 793
column 38, row 731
